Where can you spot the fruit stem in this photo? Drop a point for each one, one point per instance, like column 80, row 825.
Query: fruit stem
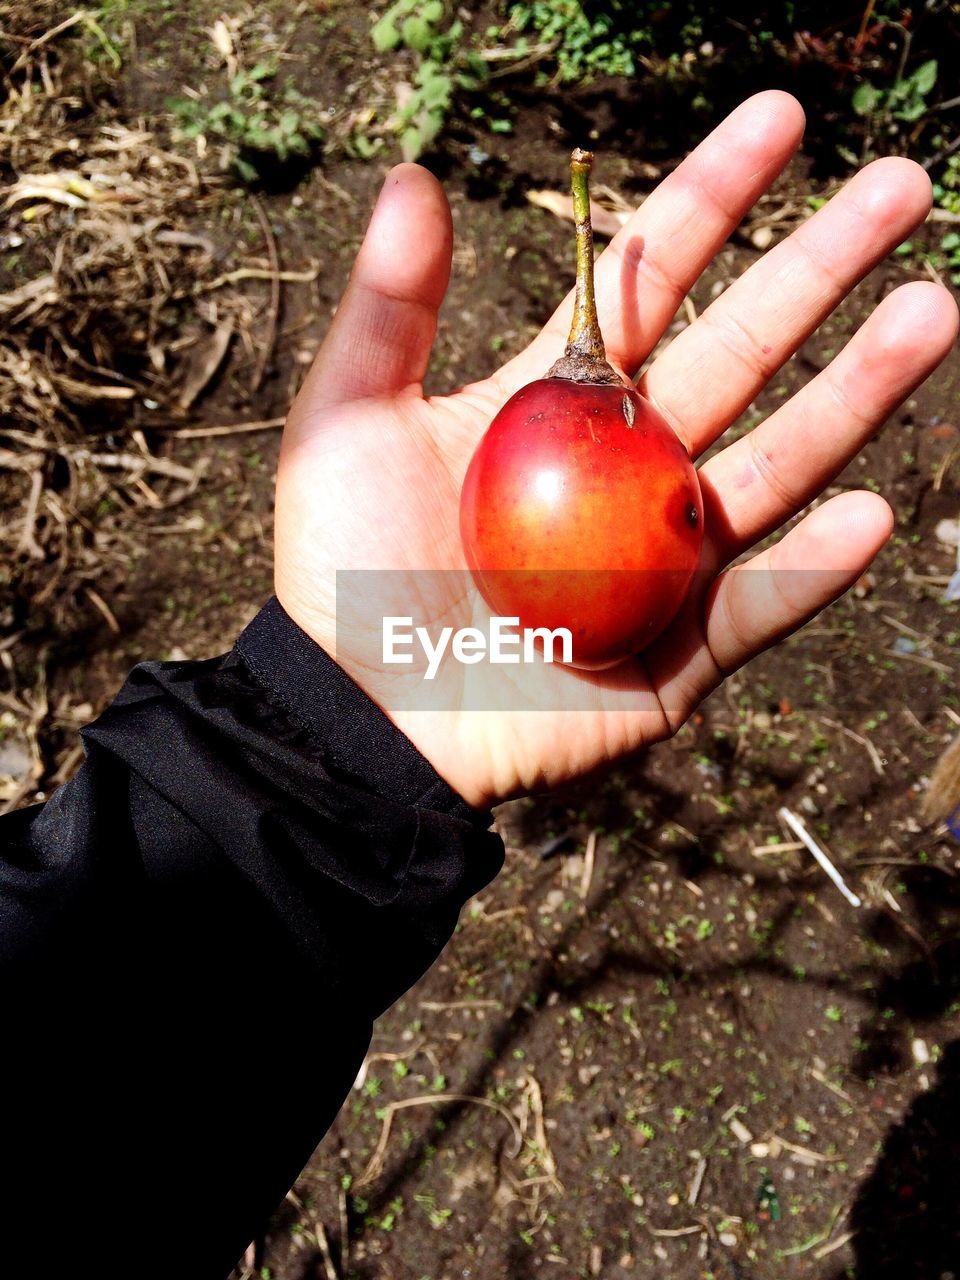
column 585, row 335
column 585, row 358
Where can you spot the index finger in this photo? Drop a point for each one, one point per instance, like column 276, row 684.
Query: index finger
column 648, row 267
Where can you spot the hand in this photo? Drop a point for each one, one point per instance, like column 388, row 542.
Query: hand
column 370, row 470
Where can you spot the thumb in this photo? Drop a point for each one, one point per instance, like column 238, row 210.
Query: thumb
column 381, row 336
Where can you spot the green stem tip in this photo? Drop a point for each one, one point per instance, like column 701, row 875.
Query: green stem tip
column 585, row 333
column 585, row 358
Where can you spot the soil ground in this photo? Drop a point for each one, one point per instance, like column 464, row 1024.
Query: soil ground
column 659, row 1044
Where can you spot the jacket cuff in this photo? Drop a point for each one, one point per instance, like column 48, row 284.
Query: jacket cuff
column 318, row 695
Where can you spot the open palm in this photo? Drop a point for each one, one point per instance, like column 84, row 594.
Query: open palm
column 371, row 470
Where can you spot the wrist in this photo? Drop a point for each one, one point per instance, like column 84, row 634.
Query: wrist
column 359, row 741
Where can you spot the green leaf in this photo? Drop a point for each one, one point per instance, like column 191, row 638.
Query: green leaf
column 408, row 111
column 364, row 148
column 950, row 241
column 417, row 34
column 432, row 12
column 411, row 143
column 245, row 169
column 428, row 71
column 925, row 77
column 501, row 126
column 865, row 99
column 385, row 35
column 429, row 125
column 477, row 65
column 437, row 91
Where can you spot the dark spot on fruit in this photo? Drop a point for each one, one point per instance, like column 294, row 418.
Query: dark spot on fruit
column 693, row 515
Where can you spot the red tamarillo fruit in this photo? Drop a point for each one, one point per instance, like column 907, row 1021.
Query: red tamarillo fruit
column 580, row 507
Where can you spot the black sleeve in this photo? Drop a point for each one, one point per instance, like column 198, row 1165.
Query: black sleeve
column 195, row 936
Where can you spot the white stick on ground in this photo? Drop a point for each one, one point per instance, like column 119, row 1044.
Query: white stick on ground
column 798, row 827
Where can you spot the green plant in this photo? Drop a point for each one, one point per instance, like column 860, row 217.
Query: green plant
column 905, row 99
column 258, row 123
column 624, row 37
column 584, row 44
column 950, row 244
column 415, row 26
column 946, row 192
column 102, row 46
column 445, row 68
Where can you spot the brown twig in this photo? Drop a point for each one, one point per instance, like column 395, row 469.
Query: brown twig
column 435, row 1006
column 103, row 609
column 329, row 1270
column 232, row 429
column 919, row 660
column 266, row 349
column 205, row 370
column 27, row 543
column 247, row 273
column 80, row 16
column 589, row 861
column 868, row 746
column 375, row 1163
column 344, row 1229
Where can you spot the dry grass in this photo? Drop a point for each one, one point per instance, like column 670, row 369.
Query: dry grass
column 119, row 309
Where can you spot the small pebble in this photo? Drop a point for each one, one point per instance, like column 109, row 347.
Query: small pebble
column 552, row 902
